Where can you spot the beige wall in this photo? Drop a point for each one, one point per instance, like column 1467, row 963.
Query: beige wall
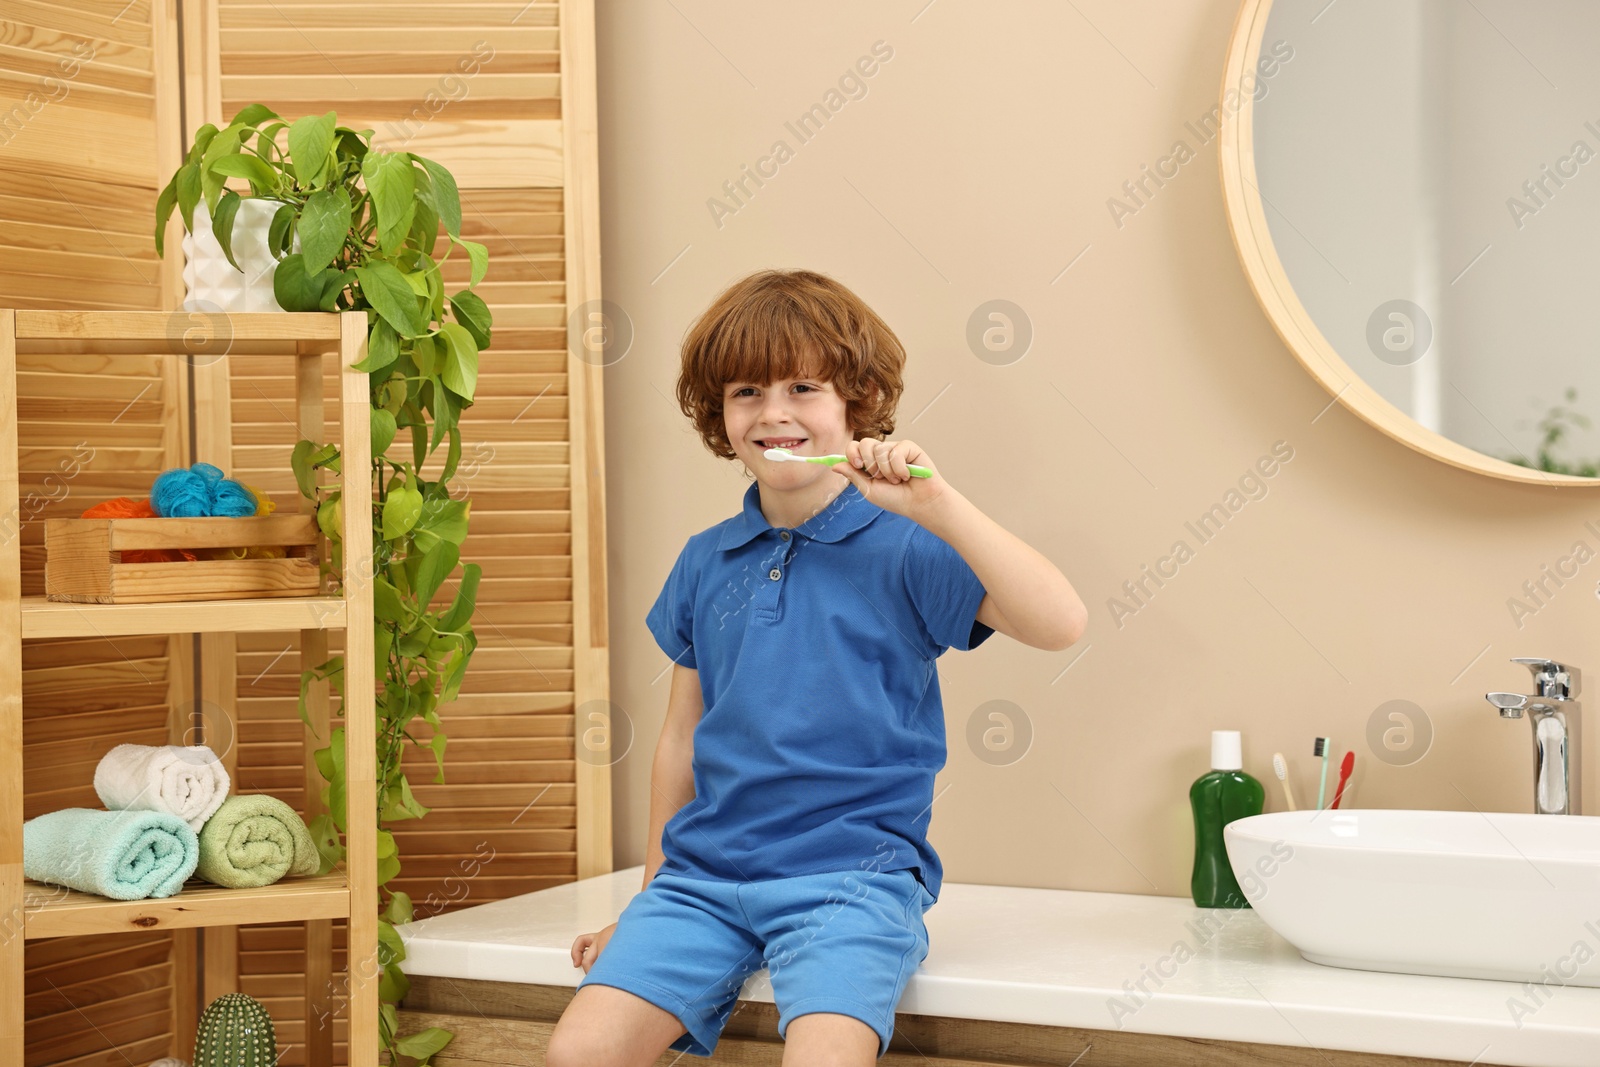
column 977, row 167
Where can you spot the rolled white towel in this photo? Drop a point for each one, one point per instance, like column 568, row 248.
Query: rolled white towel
column 185, row 780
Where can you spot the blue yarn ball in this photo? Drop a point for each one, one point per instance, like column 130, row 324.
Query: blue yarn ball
column 230, row 499
column 180, row 494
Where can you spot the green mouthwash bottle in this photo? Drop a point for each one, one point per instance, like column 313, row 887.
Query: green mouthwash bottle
column 1218, row 798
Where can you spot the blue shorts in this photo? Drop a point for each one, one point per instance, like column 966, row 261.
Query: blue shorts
column 844, row 942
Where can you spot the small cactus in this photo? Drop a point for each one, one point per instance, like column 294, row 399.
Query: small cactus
column 235, row 1031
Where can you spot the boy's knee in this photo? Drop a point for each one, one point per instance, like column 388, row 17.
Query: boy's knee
column 570, row 1048
column 572, row 1044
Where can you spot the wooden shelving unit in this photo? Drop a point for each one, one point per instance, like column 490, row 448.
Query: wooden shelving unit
column 32, row 910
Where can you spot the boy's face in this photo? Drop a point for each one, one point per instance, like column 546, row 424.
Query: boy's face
column 803, row 415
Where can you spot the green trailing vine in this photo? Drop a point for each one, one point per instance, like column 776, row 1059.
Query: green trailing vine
column 367, row 222
column 1555, row 426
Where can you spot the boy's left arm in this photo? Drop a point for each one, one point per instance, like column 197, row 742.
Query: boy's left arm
column 1026, row 596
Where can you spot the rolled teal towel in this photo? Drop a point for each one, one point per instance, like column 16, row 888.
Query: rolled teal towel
column 124, row 855
column 252, row 841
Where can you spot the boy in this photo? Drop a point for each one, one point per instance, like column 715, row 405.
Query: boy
column 793, row 784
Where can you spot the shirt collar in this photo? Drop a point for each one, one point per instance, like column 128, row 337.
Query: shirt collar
column 846, row 513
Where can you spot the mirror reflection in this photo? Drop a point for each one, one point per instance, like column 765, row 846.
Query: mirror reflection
column 1430, row 173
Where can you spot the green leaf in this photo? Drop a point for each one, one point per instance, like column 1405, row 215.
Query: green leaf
column 460, row 372
column 383, row 348
column 330, row 517
column 424, row 1043
column 280, row 237
column 310, row 141
column 445, row 522
column 252, row 114
column 300, row 460
column 444, row 197
column 426, row 354
column 466, row 601
column 326, row 837
column 473, row 313
column 446, row 411
column 393, row 985
column 164, row 205
column 452, row 680
column 383, row 431
column 399, row 910
column 418, row 280
column 480, row 261
column 336, row 780
column 250, row 167
column 437, row 563
column 225, row 143
column 386, row 602
column 400, row 512
column 222, row 225
column 324, row 225
column 202, row 141
column 334, row 282
column 425, row 226
column 295, row 290
column 383, row 644
column 392, row 183
column 267, row 141
column 452, row 457
column 389, row 294
column 306, row 680
column 188, row 192
column 437, row 743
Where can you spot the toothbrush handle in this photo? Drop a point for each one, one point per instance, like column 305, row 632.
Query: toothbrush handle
column 916, row 471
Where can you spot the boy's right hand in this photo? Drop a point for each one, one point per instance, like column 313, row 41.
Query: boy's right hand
column 587, row 948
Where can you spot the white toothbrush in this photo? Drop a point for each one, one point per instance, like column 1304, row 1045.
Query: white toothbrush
column 784, row 454
column 1280, row 767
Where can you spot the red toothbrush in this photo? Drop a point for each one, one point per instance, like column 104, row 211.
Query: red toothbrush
column 1345, row 768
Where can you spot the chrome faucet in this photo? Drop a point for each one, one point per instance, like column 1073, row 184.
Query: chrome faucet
column 1557, row 734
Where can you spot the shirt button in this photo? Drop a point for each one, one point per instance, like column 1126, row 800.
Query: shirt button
column 774, row 574
column 784, row 535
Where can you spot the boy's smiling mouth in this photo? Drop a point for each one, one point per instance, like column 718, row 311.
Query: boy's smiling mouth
column 781, row 442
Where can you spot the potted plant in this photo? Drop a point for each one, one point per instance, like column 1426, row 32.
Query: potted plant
column 367, row 224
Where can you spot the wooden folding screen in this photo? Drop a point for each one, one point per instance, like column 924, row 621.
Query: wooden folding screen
column 89, row 132
column 503, row 94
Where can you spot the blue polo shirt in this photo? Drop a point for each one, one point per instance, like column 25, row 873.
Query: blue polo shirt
column 823, row 727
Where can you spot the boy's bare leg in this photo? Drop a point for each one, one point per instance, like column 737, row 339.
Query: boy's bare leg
column 605, row 1026
column 828, row 1039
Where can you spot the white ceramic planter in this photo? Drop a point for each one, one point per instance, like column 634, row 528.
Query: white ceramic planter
column 214, row 284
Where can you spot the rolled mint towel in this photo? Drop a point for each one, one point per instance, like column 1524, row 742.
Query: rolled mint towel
column 253, row 840
column 185, row 780
column 125, row 855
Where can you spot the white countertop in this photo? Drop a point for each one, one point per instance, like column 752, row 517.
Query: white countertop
column 1061, row 958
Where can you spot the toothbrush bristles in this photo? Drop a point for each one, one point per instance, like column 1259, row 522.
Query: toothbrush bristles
column 1320, row 747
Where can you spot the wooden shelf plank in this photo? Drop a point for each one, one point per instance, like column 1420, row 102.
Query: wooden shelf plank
column 53, row 911
column 43, row 618
column 60, row 325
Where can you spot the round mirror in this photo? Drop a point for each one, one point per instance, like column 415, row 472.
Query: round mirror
column 1414, row 191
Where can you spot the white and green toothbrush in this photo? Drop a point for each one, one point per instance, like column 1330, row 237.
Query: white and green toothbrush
column 785, row 454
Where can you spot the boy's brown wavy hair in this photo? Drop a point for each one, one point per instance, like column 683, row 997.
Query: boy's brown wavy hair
column 778, row 324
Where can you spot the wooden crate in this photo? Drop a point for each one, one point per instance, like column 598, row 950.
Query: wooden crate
column 83, row 559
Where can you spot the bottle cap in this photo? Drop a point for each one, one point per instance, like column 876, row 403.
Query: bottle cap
column 1225, row 751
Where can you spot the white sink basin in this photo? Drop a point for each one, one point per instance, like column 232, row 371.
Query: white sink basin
column 1460, row 893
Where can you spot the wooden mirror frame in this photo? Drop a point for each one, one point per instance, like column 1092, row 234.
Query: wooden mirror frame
column 1252, row 239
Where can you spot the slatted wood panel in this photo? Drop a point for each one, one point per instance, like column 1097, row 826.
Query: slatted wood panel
column 506, row 819
column 81, row 161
